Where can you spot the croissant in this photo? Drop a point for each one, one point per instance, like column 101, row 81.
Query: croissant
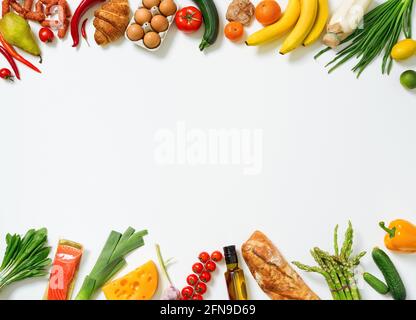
column 111, row 21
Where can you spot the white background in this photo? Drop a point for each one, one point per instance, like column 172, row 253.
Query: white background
column 77, row 145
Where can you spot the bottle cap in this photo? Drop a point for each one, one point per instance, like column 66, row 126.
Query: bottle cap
column 230, row 255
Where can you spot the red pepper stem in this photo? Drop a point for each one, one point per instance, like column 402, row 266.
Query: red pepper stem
column 391, row 232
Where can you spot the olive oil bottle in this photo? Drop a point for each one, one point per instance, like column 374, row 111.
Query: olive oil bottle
column 234, row 276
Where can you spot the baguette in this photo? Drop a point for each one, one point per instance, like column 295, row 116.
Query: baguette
column 272, row 272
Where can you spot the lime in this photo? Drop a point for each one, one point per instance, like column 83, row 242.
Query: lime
column 408, row 79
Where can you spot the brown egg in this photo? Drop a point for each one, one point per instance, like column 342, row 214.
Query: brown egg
column 142, row 15
column 159, row 23
column 135, row 32
column 151, row 3
column 151, row 40
column 168, row 7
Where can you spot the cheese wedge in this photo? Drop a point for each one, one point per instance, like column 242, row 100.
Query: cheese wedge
column 140, row 284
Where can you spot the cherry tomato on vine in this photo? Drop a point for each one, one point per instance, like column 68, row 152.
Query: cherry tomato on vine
column 204, row 257
column 210, row 266
column 6, row 74
column 216, row 256
column 200, row 288
column 198, row 267
column 192, row 279
column 188, row 19
column 187, row 292
column 197, row 297
column 46, row 35
column 205, row 276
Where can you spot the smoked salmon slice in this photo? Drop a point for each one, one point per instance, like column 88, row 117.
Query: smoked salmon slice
column 64, row 269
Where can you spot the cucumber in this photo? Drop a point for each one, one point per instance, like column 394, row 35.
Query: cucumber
column 376, row 283
column 392, row 277
column 211, row 21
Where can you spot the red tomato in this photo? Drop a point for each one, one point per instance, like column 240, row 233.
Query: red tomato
column 198, row 267
column 197, row 297
column 187, row 292
column 46, row 35
column 192, row 279
column 205, row 276
column 216, row 256
column 200, row 288
column 210, row 266
column 188, row 19
column 203, row 257
column 6, row 74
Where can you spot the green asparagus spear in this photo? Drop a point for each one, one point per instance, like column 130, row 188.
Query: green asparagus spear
column 338, row 269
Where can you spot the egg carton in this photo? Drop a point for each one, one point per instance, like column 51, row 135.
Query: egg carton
column 147, row 27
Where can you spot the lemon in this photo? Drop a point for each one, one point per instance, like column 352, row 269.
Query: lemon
column 403, row 49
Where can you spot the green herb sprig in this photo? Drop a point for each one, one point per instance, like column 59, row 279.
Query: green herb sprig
column 25, row 257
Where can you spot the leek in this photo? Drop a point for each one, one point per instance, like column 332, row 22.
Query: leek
column 111, row 260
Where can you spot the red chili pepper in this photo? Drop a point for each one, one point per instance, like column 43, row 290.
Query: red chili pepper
column 84, row 31
column 17, row 56
column 79, row 12
column 11, row 61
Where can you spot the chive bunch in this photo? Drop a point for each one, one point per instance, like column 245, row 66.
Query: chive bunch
column 381, row 30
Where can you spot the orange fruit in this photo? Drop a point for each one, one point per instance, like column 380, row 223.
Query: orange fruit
column 268, row 12
column 234, row 30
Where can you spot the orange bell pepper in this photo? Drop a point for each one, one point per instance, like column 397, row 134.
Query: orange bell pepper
column 401, row 236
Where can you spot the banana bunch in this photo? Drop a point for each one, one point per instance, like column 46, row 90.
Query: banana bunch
column 306, row 18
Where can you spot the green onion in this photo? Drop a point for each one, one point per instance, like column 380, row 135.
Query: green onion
column 381, row 30
column 25, row 257
column 111, row 260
